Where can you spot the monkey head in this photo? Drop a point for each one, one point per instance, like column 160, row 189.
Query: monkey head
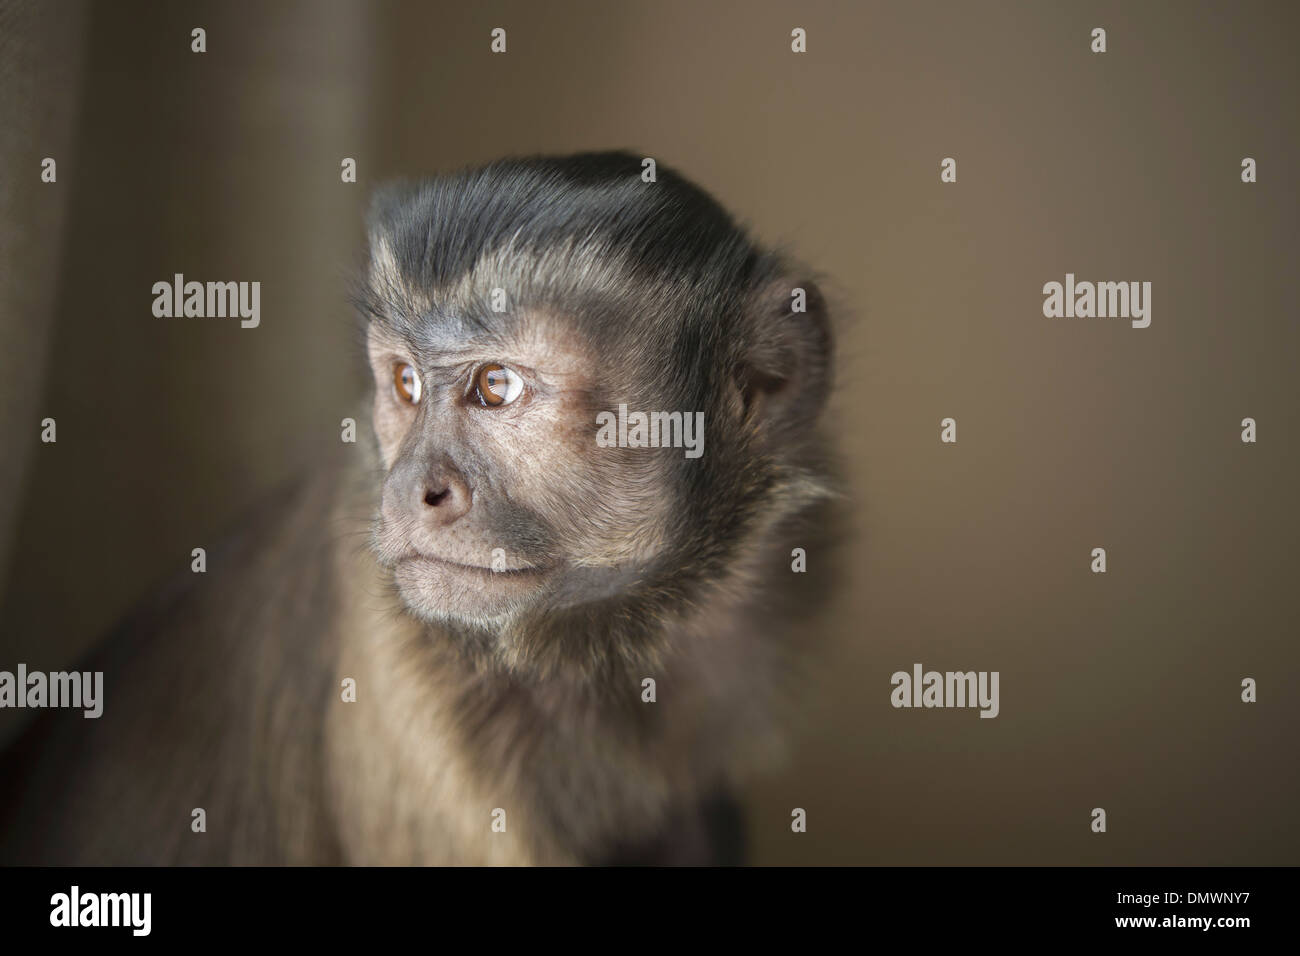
column 519, row 318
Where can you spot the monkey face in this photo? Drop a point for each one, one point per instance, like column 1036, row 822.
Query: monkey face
column 498, row 499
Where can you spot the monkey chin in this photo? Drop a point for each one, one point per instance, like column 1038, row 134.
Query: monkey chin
column 439, row 591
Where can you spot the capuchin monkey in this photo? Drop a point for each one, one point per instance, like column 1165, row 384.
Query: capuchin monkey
column 546, row 618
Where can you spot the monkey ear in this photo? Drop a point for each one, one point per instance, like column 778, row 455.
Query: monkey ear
column 785, row 372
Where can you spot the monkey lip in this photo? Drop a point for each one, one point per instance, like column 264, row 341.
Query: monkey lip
column 436, row 587
column 436, row 563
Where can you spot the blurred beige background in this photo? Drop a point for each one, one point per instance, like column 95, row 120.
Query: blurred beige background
column 1118, row 691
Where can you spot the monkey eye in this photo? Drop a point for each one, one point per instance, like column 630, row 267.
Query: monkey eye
column 406, row 382
column 497, row 385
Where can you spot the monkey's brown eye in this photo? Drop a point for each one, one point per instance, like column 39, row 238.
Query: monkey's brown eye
column 497, row 385
column 406, row 382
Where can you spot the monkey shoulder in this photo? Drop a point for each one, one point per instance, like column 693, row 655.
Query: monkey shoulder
column 208, row 747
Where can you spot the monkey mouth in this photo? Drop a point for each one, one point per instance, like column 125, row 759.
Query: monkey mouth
column 419, row 558
column 437, row 588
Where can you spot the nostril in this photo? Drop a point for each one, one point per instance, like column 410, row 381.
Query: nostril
column 438, row 497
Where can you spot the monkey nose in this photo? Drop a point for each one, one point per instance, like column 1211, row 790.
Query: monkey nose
column 446, row 497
